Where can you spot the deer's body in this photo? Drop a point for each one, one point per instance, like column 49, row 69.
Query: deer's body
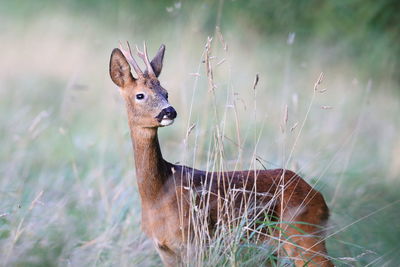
column 166, row 189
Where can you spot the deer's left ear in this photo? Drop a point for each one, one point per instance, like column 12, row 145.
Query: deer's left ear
column 157, row 61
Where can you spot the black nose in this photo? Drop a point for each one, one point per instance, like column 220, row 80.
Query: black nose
column 170, row 112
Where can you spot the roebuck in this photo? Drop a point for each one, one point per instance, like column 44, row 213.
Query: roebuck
column 169, row 192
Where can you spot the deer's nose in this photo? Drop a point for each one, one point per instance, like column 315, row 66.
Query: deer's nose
column 170, row 112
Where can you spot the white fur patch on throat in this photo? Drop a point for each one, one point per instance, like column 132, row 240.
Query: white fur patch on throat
column 166, row 122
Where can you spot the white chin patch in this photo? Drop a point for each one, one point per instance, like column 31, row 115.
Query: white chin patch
column 166, row 122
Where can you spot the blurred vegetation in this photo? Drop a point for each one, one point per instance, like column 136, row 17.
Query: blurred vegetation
column 347, row 27
column 366, row 31
column 67, row 190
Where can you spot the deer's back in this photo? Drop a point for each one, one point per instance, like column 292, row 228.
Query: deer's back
column 253, row 192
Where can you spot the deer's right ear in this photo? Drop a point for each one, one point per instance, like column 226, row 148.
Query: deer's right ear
column 120, row 71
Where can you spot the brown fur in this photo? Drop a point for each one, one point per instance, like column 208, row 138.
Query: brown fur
column 165, row 188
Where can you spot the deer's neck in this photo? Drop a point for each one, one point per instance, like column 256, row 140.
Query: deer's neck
column 151, row 168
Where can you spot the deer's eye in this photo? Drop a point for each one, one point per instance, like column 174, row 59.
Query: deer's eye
column 166, row 96
column 139, row 96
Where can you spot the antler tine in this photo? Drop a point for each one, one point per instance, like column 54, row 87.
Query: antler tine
column 131, row 60
column 145, row 58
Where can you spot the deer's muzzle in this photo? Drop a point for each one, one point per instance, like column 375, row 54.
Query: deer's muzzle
column 168, row 113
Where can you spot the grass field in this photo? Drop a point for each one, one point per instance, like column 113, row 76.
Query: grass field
column 68, row 193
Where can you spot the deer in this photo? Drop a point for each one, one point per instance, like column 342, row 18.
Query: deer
column 281, row 195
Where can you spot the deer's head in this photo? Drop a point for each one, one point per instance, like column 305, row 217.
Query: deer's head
column 146, row 100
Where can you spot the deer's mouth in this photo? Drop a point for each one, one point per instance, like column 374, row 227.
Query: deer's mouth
column 165, row 121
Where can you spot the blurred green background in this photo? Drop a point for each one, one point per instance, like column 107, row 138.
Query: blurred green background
column 68, row 194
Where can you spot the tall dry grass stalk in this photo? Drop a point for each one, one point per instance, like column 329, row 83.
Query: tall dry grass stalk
column 238, row 237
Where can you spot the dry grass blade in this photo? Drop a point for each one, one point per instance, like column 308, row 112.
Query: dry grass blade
column 195, row 74
column 36, row 200
column 190, row 130
column 43, row 114
column 256, row 79
column 319, row 81
column 326, row 107
column 285, row 115
column 209, row 70
column 221, row 39
column 294, row 126
column 221, row 61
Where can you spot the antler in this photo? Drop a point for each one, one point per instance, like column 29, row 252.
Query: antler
column 131, row 60
column 145, row 58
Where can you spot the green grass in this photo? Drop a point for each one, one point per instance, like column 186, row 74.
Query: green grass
column 67, row 185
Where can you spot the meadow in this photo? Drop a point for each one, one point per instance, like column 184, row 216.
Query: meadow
column 68, row 195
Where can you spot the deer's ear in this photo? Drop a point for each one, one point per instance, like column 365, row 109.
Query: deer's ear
column 157, row 61
column 120, row 71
